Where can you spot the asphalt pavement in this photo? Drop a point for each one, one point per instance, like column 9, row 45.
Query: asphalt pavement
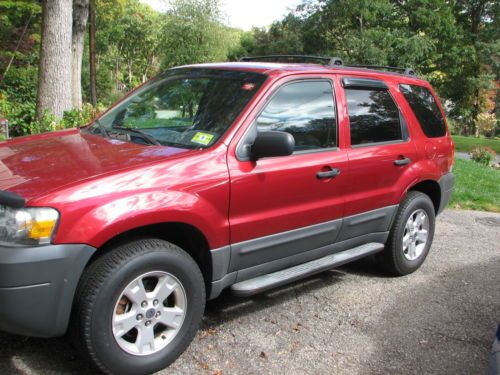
column 353, row 320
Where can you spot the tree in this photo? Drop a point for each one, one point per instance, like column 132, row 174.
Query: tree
column 453, row 44
column 92, row 54
column 54, row 83
column 193, row 33
column 80, row 17
column 19, row 22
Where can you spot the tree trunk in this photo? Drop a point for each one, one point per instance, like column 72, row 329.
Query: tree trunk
column 54, row 73
column 80, row 16
column 92, row 55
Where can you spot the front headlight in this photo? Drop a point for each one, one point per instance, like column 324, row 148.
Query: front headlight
column 27, row 226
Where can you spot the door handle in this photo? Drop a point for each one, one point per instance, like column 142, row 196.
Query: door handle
column 403, row 161
column 333, row 172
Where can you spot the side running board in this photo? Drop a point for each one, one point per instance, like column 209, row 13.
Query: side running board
column 275, row 279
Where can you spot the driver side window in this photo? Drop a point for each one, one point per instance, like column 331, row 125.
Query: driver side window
column 306, row 110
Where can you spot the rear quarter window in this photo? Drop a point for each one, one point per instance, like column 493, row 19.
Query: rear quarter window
column 426, row 110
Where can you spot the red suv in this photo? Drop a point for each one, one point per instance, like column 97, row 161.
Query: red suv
column 244, row 175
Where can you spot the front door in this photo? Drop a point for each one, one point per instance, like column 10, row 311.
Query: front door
column 284, row 206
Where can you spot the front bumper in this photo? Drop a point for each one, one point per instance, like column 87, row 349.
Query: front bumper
column 37, row 286
column 446, row 184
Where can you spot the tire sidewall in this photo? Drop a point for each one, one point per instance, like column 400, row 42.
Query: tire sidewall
column 418, row 201
column 101, row 334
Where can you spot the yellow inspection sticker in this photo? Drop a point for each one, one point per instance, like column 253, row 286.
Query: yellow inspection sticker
column 202, row 138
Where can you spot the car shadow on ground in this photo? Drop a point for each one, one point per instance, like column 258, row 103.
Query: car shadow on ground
column 456, row 330
column 25, row 355
column 228, row 307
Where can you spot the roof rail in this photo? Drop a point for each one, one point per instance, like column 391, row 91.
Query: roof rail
column 406, row 71
column 328, row 61
column 331, row 61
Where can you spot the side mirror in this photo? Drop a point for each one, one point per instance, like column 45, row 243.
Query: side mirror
column 273, row 143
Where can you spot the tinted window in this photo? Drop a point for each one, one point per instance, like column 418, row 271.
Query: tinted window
column 426, row 110
column 373, row 116
column 188, row 108
column 304, row 109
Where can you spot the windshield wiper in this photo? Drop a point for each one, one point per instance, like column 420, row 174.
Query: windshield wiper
column 102, row 128
column 150, row 140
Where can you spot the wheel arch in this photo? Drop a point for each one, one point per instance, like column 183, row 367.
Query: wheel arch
column 432, row 189
column 186, row 236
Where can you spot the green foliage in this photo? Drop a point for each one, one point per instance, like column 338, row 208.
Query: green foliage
column 483, row 155
column 20, row 84
column 486, row 124
column 22, row 118
column 75, row 118
column 455, row 45
column 193, row 33
column 14, row 16
column 476, row 187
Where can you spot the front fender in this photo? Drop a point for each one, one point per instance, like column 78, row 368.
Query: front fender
column 105, row 222
column 193, row 190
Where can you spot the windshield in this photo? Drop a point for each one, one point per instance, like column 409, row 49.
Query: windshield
column 188, row 108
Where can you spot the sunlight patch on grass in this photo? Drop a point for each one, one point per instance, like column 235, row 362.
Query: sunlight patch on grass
column 476, row 187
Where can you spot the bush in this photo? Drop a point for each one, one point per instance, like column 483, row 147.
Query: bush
column 483, row 155
column 486, row 124
column 22, row 117
column 20, row 84
column 75, row 117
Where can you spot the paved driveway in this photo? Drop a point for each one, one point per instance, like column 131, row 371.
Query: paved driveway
column 354, row 320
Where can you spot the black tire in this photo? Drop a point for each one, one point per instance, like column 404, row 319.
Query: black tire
column 393, row 259
column 101, row 286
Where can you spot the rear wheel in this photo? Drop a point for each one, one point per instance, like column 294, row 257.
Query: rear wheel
column 411, row 235
column 138, row 307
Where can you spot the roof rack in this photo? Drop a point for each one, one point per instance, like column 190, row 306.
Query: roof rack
column 406, row 71
column 328, row 61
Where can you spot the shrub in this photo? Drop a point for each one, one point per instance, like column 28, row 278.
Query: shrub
column 483, row 155
column 20, row 84
column 22, row 117
column 486, row 124
column 75, row 117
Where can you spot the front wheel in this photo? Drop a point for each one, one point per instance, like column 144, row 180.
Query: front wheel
column 411, row 235
column 138, row 307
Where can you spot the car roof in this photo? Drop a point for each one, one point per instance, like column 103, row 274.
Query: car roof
column 278, row 69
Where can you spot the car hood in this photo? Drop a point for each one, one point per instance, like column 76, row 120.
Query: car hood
column 34, row 166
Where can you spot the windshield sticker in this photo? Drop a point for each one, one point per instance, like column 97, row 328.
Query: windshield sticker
column 202, row 138
column 248, row 86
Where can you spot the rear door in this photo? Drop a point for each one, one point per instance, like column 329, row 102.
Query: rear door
column 282, row 206
column 380, row 155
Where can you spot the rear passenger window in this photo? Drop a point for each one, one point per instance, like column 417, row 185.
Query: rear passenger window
column 426, row 110
column 305, row 110
column 373, row 116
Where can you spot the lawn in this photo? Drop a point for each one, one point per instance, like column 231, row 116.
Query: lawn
column 466, row 144
column 476, row 187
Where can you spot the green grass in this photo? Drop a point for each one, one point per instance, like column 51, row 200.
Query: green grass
column 466, row 144
column 476, row 187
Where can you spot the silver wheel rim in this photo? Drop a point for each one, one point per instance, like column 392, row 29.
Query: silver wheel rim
column 149, row 313
column 415, row 234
